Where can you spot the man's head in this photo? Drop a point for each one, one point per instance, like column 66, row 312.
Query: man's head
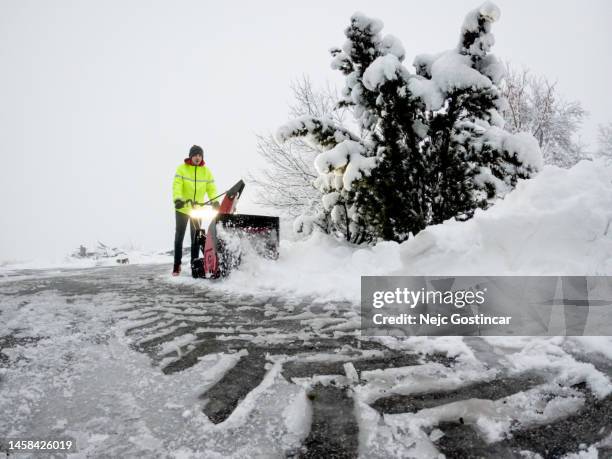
column 196, row 154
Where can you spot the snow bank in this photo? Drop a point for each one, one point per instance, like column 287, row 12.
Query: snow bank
column 318, row 267
column 555, row 224
column 558, row 223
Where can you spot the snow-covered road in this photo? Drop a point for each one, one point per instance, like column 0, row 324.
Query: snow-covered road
column 132, row 363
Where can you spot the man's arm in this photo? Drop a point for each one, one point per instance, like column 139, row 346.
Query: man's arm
column 177, row 186
column 211, row 188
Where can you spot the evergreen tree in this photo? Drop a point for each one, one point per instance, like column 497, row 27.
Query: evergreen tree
column 431, row 144
column 472, row 159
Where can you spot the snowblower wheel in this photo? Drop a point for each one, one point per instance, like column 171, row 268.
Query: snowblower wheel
column 197, row 268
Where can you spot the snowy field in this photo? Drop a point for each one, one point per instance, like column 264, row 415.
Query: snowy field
column 131, row 362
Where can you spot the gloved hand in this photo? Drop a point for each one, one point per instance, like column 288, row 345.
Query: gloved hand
column 179, row 204
column 215, row 205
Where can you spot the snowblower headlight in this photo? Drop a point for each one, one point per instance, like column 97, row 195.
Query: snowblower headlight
column 207, row 213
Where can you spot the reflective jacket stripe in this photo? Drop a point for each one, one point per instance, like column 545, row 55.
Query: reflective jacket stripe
column 192, row 180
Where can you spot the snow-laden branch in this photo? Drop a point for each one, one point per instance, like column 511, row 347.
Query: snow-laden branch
column 323, row 131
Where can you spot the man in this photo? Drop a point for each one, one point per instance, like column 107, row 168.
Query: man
column 192, row 181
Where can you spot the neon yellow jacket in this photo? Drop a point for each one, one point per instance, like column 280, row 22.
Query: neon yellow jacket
column 193, row 182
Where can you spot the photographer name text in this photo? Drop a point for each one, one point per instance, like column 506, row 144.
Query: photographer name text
column 439, row 319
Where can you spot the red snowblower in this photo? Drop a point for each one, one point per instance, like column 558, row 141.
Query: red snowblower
column 230, row 235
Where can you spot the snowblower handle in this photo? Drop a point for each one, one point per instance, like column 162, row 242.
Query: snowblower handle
column 195, row 203
column 213, row 199
column 207, row 203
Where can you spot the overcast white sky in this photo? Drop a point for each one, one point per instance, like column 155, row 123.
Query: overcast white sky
column 100, row 100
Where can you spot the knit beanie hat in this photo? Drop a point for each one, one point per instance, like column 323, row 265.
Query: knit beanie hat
column 196, row 150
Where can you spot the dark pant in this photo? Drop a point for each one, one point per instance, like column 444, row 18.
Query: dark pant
column 181, row 226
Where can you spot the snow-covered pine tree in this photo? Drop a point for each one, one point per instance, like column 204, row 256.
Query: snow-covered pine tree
column 431, row 145
column 360, row 174
column 473, row 159
column 377, row 87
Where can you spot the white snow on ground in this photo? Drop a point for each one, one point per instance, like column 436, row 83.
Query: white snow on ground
column 596, row 345
column 558, row 223
column 493, row 419
column 414, row 434
column 82, row 380
column 135, row 257
column 538, row 354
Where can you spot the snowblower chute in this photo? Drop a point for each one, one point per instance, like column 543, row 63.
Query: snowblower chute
column 229, row 235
